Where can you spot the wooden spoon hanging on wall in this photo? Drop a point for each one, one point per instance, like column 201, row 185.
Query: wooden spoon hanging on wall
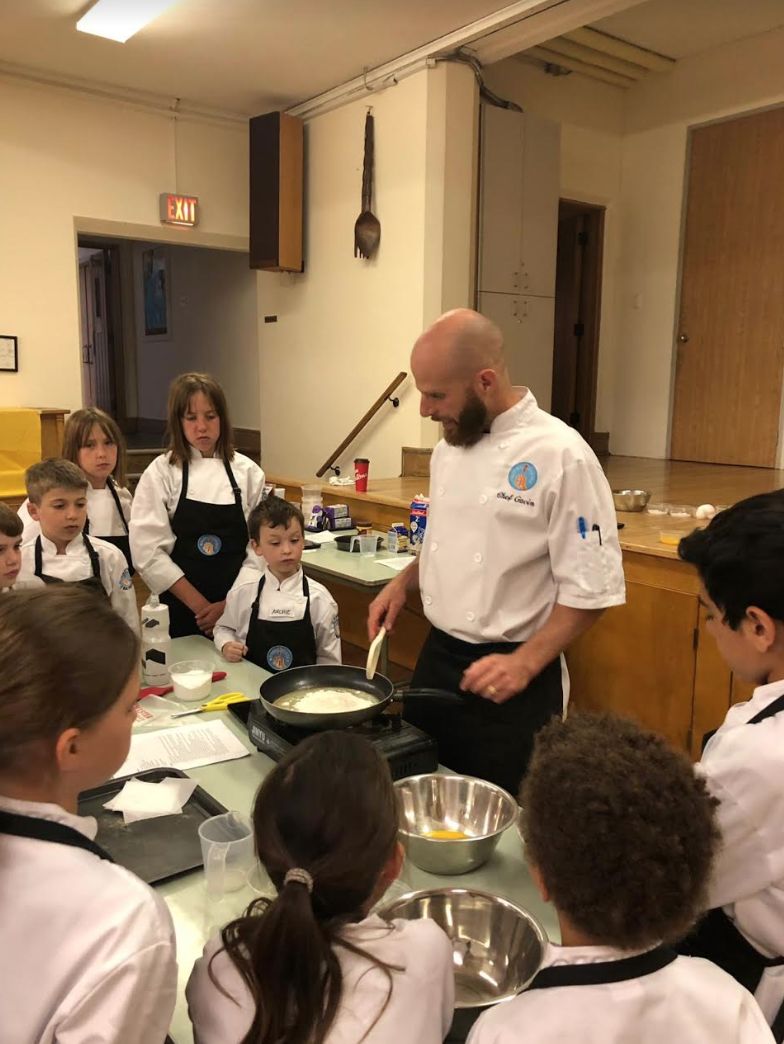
column 367, row 229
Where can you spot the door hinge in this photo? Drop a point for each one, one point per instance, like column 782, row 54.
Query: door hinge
column 579, row 329
column 582, row 238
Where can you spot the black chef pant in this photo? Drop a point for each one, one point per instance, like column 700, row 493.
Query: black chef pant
column 480, row 738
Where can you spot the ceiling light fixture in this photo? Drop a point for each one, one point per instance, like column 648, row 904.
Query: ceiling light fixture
column 120, row 19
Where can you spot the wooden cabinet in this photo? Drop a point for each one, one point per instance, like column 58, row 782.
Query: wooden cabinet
column 527, row 324
column 519, row 188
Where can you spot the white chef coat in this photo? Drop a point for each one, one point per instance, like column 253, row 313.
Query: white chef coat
column 75, row 565
column 155, row 502
column 689, row 1001
column 504, row 541
column 101, row 511
column 282, row 601
column 420, row 1004
column 88, row 949
column 744, row 768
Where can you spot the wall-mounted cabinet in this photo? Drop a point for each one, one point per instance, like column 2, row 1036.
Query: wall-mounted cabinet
column 527, row 325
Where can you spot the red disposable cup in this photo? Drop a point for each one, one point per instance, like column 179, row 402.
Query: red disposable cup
column 361, row 468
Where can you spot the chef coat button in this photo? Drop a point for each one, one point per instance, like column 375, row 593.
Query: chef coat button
column 503, row 445
column 428, row 600
column 441, row 491
column 477, row 557
column 470, row 617
column 483, row 499
column 434, row 547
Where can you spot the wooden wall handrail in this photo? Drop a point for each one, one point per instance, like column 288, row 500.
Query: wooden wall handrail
column 329, row 463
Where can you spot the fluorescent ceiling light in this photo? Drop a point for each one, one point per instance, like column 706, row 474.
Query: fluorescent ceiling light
column 120, row 19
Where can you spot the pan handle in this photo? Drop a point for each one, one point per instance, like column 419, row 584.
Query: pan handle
column 404, row 692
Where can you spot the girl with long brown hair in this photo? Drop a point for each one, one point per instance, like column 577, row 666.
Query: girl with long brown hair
column 189, row 532
column 93, row 441
column 313, row 965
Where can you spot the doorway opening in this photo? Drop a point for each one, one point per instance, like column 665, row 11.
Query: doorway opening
column 578, row 294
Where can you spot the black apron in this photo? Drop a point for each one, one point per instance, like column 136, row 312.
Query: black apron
column 45, row 830
column 276, row 645
column 123, row 543
column 91, row 583
column 491, row 740
column 210, row 544
column 596, row 974
column 716, row 937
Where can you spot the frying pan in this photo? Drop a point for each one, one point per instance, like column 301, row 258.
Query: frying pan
column 333, row 676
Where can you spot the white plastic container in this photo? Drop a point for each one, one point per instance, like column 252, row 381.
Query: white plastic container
column 192, row 680
column 156, row 643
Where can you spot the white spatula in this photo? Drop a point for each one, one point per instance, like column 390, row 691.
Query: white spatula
column 373, row 653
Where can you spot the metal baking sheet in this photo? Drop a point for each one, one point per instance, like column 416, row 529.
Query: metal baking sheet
column 154, row 849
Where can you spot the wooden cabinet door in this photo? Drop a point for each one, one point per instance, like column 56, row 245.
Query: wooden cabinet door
column 638, row 661
column 541, row 189
column 527, row 324
column 501, row 199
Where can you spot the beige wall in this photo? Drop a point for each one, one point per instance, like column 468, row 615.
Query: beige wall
column 346, row 326
column 733, row 79
column 591, row 119
column 213, row 328
column 64, row 155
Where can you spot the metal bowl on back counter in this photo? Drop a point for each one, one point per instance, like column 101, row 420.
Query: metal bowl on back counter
column 451, row 824
column 497, row 946
column 630, row 499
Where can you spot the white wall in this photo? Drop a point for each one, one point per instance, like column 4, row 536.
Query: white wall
column 591, row 118
column 345, row 327
column 732, row 79
column 64, row 155
column 213, row 298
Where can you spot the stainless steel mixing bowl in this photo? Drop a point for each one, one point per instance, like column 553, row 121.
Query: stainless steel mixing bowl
column 434, row 802
column 497, row 945
column 630, row 499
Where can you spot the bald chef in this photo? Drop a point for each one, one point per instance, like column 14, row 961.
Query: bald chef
column 520, row 555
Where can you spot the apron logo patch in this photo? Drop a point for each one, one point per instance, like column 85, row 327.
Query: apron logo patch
column 279, row 658
column 209, row 544
column 523, row 476
column 125, row 583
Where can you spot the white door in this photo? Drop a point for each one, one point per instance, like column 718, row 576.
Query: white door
column 527, row 324
column 541, row 190
column 501, row 200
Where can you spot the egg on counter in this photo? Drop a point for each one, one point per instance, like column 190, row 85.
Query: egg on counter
column 705, row 511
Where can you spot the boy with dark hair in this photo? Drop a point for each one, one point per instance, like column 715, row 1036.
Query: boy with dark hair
column 620, row 836
column 283, row 620
column 11, row 528
column 62, row 552
column 740, row 560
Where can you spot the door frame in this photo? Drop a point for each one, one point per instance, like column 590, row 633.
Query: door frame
column 591, row 304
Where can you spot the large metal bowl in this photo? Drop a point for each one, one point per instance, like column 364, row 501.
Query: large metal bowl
column 497, row 945
column 630, row 499
column 435, row 802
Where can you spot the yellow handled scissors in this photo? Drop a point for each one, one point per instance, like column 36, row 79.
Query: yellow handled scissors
column 219, row 703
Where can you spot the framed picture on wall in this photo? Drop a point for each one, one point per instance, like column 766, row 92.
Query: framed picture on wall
column 156, row 294
column 9, row 353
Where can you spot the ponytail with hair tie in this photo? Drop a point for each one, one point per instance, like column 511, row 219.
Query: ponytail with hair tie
column 299, row 876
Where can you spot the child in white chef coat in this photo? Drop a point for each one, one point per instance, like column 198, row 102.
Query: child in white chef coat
column 620, row 835
column 88, row 949
column 740, row 561
column 11, row 550
column 62, row 552
column 189, row 533
column 314, row 963
column 93, row 441
column 283, row 619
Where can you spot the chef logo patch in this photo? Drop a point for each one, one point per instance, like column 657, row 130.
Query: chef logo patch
column 523, row 476
column 209, row 544
column 125, row 583
column 279, row 658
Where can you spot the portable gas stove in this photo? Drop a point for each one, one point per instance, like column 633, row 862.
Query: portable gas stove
column 408, row 750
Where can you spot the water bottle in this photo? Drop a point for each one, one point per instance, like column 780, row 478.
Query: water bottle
column 156, row 643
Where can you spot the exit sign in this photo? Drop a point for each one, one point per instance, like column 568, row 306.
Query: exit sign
column 179, row 210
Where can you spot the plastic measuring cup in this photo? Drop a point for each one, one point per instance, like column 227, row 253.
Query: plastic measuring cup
column 227, row 851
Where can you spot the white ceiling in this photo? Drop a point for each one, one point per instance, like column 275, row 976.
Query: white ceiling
column 679, row 28
column 244, row 56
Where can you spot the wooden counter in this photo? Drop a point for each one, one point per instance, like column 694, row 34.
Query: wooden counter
column 652, row 658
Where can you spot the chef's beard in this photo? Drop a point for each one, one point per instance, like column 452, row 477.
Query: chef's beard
column 472, row 422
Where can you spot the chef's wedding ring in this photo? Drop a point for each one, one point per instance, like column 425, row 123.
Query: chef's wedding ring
column 491, row 690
